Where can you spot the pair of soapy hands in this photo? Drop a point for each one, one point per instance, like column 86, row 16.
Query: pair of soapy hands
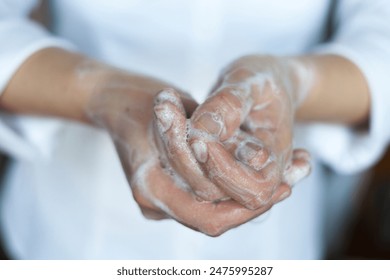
column 216, row 165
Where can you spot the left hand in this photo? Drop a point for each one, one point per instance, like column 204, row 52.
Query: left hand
column 242, row 134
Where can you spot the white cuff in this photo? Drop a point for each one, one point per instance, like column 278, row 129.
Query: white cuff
column 343, row 148
column 20, row 38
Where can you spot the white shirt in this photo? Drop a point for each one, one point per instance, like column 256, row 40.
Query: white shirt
column 66, row 195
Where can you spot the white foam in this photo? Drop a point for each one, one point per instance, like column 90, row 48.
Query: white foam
column 165, row 117
column 306, row 74
column 140, row 176
column 294, row 174
column 168, row 95
column 261, row 106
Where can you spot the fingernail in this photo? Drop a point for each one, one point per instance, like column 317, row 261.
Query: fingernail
column 164, row 117
column 247, row 151
column 252, row 154
column 209, row 122
column 200, row 151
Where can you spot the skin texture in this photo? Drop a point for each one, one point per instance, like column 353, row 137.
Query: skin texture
column 223, row 174
column 254, row 98
column 157, row 185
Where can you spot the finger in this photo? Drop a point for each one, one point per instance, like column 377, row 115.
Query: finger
column 172, row 137
column 153, row 215
column 215, row 225
column 251, row 151
column 248, row 149
column 299, row 168
column 223, row 112
column 270, row 118
column 208, row 217
column 249, row 187
column 231, row 76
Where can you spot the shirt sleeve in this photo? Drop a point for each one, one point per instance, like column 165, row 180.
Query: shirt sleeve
column 362, row 35
column 20, row 37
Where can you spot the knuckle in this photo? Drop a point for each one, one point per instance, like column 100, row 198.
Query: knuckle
column 148, row 209
column 212, row 229
column 255, row 204
column 238, row 74
column 260, row 200
column 211, row 193
column 140, row 199
column 230, row 96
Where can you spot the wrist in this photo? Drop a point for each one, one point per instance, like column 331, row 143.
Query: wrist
column 90, row 81
column 292, row 75
column 57, row 83
column 301, row 75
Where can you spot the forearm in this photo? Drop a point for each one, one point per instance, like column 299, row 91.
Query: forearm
column 46, row 84
column 337, row 92
column 58, row 83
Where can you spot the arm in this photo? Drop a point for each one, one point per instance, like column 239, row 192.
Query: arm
column 50, row 83
column 47, row 84
column 362, row 36
column 86, row 91
column 58, row 83
column 337, row 93
column 346, row 84
column 55, row 82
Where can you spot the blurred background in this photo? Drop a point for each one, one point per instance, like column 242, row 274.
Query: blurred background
column 363, row 230
column 367, row 231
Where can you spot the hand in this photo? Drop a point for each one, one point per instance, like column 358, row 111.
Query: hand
column 54, row 82
column 242, row 134
column 125, row 106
